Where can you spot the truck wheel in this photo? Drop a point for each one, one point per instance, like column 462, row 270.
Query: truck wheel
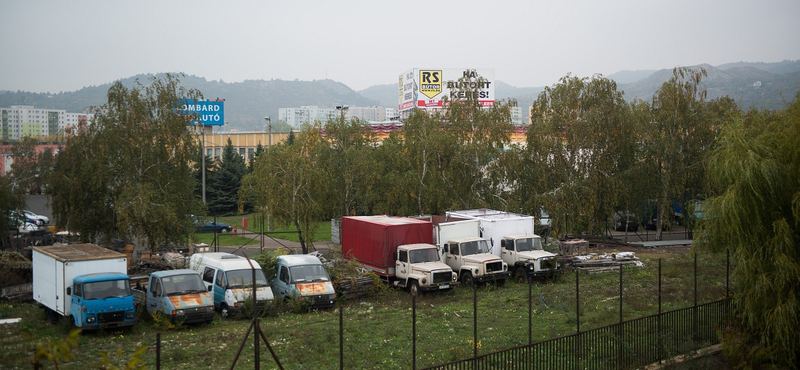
column 467, row 279
column 224, row 311
column 414, row 288
column 52, row 316
column 520, row 274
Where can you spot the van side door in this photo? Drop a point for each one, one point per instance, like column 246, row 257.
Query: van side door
column 283, row 282
column 154, row 292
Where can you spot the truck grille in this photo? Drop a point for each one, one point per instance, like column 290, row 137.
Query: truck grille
column 115, row 316
column 547, row 264
column 442, row 277
column 492, row 267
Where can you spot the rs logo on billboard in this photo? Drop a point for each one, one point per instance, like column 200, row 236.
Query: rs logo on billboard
column 430, row 83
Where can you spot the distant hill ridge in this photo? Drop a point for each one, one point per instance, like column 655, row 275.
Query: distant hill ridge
column 760, row 85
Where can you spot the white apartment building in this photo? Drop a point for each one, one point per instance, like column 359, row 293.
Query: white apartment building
column 19, row 121
column 296, row 117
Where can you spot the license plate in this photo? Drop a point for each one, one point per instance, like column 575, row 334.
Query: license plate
column 444, row 286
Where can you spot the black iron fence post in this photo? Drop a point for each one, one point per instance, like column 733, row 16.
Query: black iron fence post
column 341, row 337
column 578, row 318
column 475, row 322
column 413, row 332
column 660, row 345
column 158, row 351
column 621, row 332
column 694, row 309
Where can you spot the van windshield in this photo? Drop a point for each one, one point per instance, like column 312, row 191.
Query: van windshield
column 529, row 244
column 106, row 289
column 244, row 278
column 308, row 273
column 183, row 284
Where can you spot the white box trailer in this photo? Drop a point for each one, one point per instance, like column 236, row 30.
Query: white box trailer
column 55, row 267
column 494, row 225
column 444, row 231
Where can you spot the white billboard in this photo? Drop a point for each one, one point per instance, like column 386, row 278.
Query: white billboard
column 428, row 88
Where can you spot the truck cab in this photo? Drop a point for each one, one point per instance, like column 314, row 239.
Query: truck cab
column 525, row 253
column 418, row 267
column 179, row 295
column 101, row 300
column 471, row 260
column 302, row 277
column 229, row 279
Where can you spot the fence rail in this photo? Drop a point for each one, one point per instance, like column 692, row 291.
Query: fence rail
column 629, row 344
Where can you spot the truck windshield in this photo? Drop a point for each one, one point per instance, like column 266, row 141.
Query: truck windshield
column 308, row 273
column 423, row 255
column 529, row 244
column 474, row 247
column 106, row 289
column 183, row 284
column 244, row 278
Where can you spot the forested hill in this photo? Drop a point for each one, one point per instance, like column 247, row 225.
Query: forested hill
column 751, row 85
column 246, row 103
column 759, row 85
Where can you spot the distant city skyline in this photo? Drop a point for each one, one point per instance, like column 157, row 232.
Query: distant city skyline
column 65, row 46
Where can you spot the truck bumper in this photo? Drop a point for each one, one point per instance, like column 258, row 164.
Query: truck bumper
column 109, row 325
column 440, row 286
column 545, row 273
column 193, row 318
column 492, row 277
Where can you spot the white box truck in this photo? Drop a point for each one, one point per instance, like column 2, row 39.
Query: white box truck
column 467, row 253
column 511, row 237
column 85, row 282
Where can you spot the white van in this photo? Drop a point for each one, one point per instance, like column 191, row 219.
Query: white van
column 229, row 278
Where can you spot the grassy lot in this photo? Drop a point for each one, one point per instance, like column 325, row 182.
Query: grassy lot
column 377, row 331
column 285, row 232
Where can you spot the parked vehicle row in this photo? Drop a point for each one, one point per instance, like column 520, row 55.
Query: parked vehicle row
column 470, row 247
column 89, row 284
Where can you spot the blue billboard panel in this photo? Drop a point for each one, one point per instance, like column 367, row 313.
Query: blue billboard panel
column 210, row 112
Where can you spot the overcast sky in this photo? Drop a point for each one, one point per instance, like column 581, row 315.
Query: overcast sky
column 53, row 46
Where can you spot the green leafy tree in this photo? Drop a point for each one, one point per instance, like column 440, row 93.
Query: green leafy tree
column 677, row 139
column 475, row 137
column 128, row 175
column 11, row 199
column 348, row 160
column 424, row 149
column 579, row 153
column 225, row 181
column 288, row 182
column 754, row 174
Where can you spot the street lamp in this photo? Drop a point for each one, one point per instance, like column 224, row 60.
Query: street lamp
column 269, row 125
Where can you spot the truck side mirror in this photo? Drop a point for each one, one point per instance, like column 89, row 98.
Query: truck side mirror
column 210, row 288
column 69, row 290
column 446, row 249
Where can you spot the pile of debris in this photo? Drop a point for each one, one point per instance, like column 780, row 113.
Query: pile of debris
column 594, row 262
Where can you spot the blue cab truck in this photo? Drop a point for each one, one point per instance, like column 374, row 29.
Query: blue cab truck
column 83, row 282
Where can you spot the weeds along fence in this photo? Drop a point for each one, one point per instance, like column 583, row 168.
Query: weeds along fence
column 610, row 320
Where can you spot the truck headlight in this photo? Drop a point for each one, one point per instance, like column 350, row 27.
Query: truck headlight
column 129, row 315
column 455, row 277
column 505, row 267
column 91, row 319
column 424, row 281
column 179, row 312
column 210, row 308
column 476, row 271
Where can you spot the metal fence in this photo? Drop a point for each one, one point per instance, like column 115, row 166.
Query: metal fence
column 625, row 345
column 434, row 336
